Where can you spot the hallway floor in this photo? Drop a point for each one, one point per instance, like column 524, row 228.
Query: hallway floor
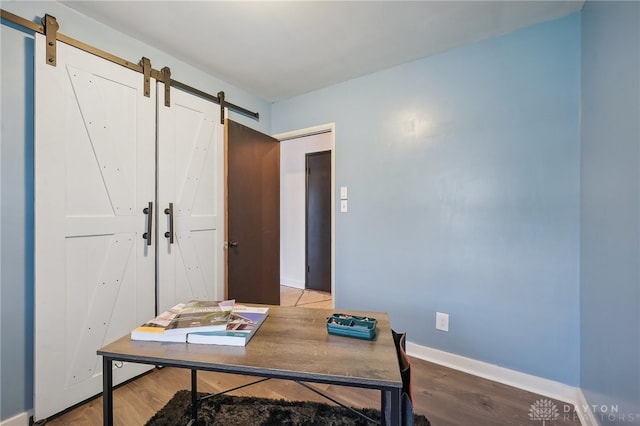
column 290, row 296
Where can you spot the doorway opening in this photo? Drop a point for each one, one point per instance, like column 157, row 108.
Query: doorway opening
column 294, row 265
column 318, row 221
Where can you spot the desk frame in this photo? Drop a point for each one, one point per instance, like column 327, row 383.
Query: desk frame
column 272, row 353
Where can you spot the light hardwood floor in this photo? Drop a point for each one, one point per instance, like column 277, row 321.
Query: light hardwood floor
column 447, row 397
column 290, row 296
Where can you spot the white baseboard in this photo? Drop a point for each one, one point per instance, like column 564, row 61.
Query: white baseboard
column 21, row 419
column 587, row 416
column 528, row 382
column 291, row 282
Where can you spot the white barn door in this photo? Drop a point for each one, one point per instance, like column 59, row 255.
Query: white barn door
column 191, row 182
column 94, row 175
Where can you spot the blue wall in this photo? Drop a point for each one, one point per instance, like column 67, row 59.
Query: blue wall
column 610, row 245
column 463, row 174
column 16, row 156
column 16, row 226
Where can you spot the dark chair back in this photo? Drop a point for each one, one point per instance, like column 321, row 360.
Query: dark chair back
column 406, row 401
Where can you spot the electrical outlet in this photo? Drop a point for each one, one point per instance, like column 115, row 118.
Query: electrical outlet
column 442, row 321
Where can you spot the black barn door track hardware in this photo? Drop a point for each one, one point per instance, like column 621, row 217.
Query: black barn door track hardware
column 50, row 27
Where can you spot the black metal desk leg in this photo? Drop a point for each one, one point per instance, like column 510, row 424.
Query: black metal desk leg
column 390, row 407
column 107, row 391
column 396, row 415
column 384, row 407
column 194, row 396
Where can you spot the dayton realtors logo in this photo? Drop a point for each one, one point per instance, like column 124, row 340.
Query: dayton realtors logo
column 543, row 410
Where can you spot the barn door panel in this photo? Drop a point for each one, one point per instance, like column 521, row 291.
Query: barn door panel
column 190, row 197
column 94, row 175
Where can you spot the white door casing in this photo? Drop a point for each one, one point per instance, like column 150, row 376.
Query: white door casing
column 94, row 175
column 191, row 176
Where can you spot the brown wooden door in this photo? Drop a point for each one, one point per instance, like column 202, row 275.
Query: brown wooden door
column 318, row 228
column 253, row 215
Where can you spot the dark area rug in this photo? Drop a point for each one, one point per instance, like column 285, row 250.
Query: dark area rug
column 243, row 411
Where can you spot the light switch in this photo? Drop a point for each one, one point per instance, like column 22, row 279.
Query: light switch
column 343, row 193
column 343, row 206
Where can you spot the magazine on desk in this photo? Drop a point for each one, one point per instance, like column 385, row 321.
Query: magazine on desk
column 243, row 325
column 174, row 324
column 153, row 330
column 201, row 315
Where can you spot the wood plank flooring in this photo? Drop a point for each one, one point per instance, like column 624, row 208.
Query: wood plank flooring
column 447, row 397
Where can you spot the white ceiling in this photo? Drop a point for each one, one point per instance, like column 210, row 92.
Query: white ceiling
column 279, row 49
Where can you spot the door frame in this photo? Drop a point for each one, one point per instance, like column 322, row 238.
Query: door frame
column 310, row 131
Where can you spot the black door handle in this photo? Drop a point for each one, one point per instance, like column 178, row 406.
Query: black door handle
column 149, row 212
column 169, row 233
column 233, row 244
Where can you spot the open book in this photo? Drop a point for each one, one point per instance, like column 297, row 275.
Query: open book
column 153, row 330
column 184, row 318
column 201, row 315
column 244, row 322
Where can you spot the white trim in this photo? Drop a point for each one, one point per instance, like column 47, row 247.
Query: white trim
column 21, row 419
column 301, row 133
column 549, row 388
column 330, row 128
column 292, row 282
column 587, row 416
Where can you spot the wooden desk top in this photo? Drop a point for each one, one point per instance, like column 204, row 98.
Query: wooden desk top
column 293, row 343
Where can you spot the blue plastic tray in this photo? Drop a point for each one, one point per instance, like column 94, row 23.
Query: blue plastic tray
column 352, row 326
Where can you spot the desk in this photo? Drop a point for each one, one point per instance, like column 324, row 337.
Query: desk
column 292, row 344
